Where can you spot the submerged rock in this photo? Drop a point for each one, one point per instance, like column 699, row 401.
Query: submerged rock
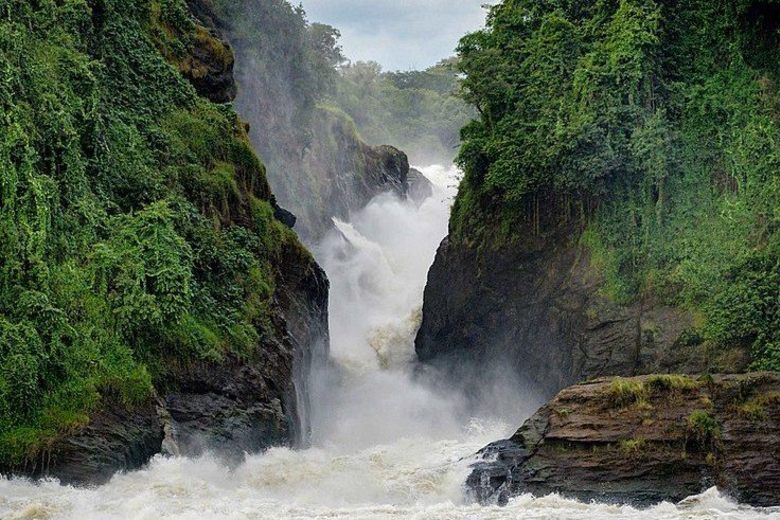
column 644, row 440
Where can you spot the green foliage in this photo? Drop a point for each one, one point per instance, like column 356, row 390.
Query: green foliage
column 672, row 383
column 663, row 142
column 633, row 448
column 416, row 111
column 129, row 224
column 145, row 269
column 704, row 429
column 626, row 392
column 755, row 408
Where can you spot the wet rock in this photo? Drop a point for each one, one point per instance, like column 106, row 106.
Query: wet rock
column 232, row 408
column 419, row 188
column 537, row 307
column 229, row 408
column 117, row 438
column 644, row 440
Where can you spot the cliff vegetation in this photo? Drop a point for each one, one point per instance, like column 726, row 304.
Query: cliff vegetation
column 318, row 164
column 418, row 111
column 137, row 230
column 652, row 127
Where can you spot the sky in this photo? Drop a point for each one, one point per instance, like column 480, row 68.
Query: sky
column 399, row 34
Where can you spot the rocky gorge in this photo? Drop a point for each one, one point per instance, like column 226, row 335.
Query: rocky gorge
column 165, row 330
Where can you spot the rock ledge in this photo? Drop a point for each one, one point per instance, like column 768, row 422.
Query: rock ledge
column 644, row 440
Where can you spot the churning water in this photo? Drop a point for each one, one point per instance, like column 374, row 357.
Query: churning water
column 385, row 445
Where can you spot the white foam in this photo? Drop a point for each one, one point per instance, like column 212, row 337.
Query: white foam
column 386, row 447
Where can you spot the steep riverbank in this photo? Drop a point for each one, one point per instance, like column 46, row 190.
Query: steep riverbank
column 618, row 213
column 152, row 300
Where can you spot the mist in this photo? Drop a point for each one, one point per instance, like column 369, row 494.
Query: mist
column 390, row 440
column 373, row 391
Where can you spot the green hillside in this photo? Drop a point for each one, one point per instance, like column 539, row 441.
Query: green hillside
column 650, row 126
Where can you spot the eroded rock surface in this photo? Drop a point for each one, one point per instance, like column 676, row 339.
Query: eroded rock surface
column 644, row 440
column 538, row 308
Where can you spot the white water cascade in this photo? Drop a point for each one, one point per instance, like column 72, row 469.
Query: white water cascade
column 385, row 446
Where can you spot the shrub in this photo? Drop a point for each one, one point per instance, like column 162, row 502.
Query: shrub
column 704, row 428
column 624, row 392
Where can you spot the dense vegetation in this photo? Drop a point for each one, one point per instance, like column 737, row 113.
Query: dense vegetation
column 652, row 125
column 135, row 222
column 416, row 111
column 311, row 113
column 288, row 60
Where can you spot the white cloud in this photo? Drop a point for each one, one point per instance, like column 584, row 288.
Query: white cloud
column 399, row 34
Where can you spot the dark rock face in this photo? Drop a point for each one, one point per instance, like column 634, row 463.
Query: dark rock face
column 209, row 65
column 419, row 187
column 537, row 307
column 667, row 438
column 117, row 438
column 233, row 408
column 284, row 216
column 230, row 408
column 303, row 299
column 211, row 69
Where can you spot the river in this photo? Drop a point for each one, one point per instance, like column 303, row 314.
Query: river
column 385, row 445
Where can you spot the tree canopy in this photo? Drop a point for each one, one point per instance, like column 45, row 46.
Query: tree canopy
column 652, row 124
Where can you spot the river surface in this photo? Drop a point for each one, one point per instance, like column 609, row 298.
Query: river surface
column 385, row 445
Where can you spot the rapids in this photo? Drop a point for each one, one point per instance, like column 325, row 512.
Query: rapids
column 385, row 445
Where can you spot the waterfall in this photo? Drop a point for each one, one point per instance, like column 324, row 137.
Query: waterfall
column 384, row 444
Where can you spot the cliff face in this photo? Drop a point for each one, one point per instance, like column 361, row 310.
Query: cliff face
column 644, row 440
column 318, row 165
column 330, row 173
column 602, row 226
column 539, row 308
column 223, row 366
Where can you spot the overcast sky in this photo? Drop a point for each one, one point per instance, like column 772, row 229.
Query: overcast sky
column 399, row 34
